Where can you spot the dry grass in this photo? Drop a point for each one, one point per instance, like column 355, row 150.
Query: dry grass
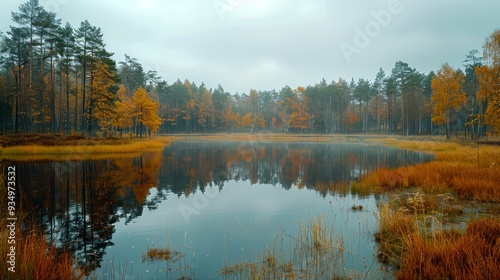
column 411, row 235
column 393, row 226
column 474, row 254
column 269, row 267
column 35, row 259
column 412, row 238
column 79, row 152
column 444, row 206
column 456, row 169
column 314, row 253
column 161, row 254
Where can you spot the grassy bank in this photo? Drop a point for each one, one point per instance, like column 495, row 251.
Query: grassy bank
column 35, row 258
column 421, row 247
column 465, row 170
column 70, row 149
column 426, row 229
column 436, row 224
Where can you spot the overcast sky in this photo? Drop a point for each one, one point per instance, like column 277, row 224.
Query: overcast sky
column 267, row 44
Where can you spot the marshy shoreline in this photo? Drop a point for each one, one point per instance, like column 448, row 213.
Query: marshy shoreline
column 435, row 210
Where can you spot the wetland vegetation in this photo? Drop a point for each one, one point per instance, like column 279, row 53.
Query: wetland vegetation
column 413, row 221
column 293, row 182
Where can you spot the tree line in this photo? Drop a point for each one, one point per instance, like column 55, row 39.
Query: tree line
column 56, row 78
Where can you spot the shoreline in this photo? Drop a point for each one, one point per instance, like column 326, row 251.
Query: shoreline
column 402, row 235
column 83, row 149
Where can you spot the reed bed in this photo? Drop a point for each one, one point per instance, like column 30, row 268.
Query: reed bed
column 470, row 172
column 315, row 252
column 415, row 235
column 420, row 251
column 35, row 259
column 420, row 245
column 472, row 254
column 393, row 226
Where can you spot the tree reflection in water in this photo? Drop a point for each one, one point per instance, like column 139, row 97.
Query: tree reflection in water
column 189, row 166
column 79, row 207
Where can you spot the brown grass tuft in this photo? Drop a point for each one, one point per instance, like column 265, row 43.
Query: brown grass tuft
column 474, row 254
column 161, row 254
column 393, row 225
column 455, row 169
column 35, row 259
column 315, row 253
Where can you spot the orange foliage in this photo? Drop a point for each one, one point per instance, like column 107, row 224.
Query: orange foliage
column 146, row 110
column 142, row 174
column 447, row 95
column 455, row 170
column 351, row 119
column 489, row 91
column 450, row 255
column 37, row 260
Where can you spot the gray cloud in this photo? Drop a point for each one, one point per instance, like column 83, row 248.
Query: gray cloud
column 267, row 44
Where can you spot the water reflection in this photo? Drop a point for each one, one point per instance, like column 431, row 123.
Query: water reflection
column 79, row 204
column 192, row 165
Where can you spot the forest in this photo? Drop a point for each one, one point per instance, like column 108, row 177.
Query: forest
column 57, row 78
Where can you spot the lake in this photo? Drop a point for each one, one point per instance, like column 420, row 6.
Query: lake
column 213, row 204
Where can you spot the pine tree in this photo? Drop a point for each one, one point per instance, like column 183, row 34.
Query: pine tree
column 206, row 111
column 88, row 44
column 16, row 51
column 27, row 18
column 65, row 48
column 400, row 75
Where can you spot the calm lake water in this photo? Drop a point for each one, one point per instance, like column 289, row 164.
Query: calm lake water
column 215, row 202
